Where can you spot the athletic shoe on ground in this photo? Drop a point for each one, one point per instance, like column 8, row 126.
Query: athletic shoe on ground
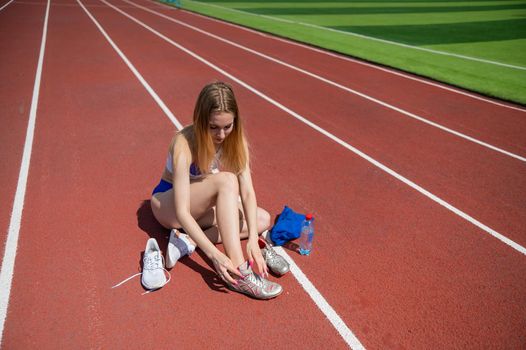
column 254, row 285
column 153, row 276
column 275, row 262
column 177, row 248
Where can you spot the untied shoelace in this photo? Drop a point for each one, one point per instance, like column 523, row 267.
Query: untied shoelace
column 149, row 263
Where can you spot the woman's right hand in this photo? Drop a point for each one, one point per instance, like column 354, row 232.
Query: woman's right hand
column 223, row 265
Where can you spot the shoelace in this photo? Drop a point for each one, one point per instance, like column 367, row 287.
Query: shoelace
column 153, row 262
column 149, row 263
column 271, row 253
column 256, row 279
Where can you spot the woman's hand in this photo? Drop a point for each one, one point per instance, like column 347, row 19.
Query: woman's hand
column 223, row 265
column 254, row 255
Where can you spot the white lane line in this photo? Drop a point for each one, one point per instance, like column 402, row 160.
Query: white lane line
column 365, row 37
column 346, row 58
column 320, row 301
column 329, row 312
column 391, row 172
column 8, row 262
column 330, row 82
column 1, row 8
column 60, row 5
column 134, row 71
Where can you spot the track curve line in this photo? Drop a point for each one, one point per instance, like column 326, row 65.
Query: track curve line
column 361, row 154
column 335, row 84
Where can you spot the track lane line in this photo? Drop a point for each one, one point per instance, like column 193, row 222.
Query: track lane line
column 345, row 58
column 138, row 75
column 330, row 82
column 1, row 8
column 311, row 290
column 8, row 262
column 391, row 172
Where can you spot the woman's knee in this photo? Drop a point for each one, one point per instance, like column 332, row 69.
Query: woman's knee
column 227, row 181
column 263, row 218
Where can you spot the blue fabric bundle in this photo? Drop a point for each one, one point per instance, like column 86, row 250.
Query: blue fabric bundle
column 288, row 227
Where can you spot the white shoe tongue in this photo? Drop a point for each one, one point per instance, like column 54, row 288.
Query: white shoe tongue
column 245, row 269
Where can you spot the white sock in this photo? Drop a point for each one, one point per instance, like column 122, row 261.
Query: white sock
column 178, row 247
column 186, row 240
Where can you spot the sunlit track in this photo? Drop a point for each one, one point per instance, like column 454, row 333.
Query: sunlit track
column 138, row 75
column 22, row 2
column 390, row 268
column 391, row 172
column 320, row 301
column 75, row 305
column 332, row 83
column 349, row 59
column 8, row 262
column 438, row 162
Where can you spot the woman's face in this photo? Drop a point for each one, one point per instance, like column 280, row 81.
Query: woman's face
column 221, row 125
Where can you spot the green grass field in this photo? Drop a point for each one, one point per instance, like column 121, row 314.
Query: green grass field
column 477, row 45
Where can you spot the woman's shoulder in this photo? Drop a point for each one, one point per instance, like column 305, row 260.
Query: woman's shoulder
column 182, row 140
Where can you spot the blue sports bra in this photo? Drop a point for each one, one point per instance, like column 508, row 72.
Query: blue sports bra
column 195, row 173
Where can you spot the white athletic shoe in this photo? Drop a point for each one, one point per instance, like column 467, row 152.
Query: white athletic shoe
column 177, row 248
column 153, row 276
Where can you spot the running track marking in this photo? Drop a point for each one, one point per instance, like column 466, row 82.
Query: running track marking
column 345, row 58
column 1, row 8
column 366, row 37
column 330, row 82
column 8, row 264
column 138, row 75
column 391, row 172
column 320, row 301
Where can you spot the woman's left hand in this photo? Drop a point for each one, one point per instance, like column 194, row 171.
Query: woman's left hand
column 255, row 258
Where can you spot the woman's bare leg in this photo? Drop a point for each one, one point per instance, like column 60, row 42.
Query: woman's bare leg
column 227, row 215
column 209, row 224
column 220, row 190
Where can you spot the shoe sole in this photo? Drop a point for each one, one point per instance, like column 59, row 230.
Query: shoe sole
column 253, row 296
column 153, row 287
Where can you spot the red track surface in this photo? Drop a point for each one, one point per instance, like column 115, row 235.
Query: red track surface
column 19, row 55
column 400, row 270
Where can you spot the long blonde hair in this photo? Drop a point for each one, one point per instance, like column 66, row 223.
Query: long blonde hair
column 217, row 97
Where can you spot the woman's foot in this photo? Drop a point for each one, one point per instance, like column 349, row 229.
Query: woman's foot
column 254, row 285
column 179, row 245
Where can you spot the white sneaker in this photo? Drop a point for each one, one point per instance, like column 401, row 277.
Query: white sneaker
column 153, row 276
column 177, row 248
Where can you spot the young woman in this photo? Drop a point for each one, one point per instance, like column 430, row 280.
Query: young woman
column 206, row 189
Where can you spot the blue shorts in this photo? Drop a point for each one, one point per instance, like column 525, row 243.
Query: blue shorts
column 163, row 186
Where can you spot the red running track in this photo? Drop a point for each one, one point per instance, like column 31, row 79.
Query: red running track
column 400, row 270
column 451, row 169
column 19, row 56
